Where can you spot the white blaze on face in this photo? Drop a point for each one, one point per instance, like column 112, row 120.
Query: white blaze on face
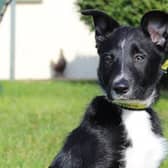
column 123, row 44
column 122, row 54
column 121, row 74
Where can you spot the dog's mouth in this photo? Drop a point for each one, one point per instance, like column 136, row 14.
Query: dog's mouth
column 127, row 96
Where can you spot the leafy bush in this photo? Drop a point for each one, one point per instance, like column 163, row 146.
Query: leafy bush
column 126, row 12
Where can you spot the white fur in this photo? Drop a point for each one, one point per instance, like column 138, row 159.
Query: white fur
column 148, row 149
column 122, row 49
column 122, row 73
column 149, row 101
column 123, row 43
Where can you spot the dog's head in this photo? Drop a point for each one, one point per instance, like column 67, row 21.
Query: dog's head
column 130, row 58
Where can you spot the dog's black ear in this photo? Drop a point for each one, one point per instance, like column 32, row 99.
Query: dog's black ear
column 155, row 25
column 103, row 23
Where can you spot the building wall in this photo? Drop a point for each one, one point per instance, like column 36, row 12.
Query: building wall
column 41, row 31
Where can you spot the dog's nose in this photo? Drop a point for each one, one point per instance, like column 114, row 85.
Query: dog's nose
column 121, row 87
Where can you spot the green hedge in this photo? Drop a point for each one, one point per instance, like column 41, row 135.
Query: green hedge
column 126, row 12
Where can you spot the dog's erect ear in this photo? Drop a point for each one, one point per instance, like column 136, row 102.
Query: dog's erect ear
column 103, row 23
column 155, row 24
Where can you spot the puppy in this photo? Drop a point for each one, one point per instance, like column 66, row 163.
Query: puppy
column 120, row 130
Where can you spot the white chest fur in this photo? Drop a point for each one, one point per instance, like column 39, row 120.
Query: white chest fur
column 148, row 149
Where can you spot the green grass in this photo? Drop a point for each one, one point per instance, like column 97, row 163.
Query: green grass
column 35, row 117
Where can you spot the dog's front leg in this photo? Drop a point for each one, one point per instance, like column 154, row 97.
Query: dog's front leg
column 65, row 160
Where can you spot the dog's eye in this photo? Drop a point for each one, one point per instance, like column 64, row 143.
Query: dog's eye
column 139, row 57
column 108, row 59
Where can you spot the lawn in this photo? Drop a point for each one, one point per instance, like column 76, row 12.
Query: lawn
column 35, row 117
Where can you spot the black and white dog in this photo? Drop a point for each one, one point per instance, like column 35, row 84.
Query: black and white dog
column 120, row 130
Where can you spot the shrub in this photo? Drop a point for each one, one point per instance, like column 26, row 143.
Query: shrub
column 125, row 11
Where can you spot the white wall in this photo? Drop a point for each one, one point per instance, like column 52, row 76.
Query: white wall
column 41, row 30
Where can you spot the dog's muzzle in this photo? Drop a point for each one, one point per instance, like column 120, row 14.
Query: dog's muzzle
column 121, row 86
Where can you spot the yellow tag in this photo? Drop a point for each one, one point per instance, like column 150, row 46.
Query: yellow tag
column 165, row 65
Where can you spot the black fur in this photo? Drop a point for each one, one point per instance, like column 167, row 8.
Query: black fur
column 100, row 140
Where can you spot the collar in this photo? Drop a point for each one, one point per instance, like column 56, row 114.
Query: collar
column 131, row 104
column 164, row 66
